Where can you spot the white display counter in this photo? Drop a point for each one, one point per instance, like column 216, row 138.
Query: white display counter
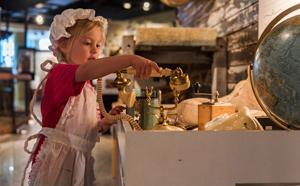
column 193, row 158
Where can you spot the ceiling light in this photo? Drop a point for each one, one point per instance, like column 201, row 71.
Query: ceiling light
column 39, row 19
column 39, row 5
column 127, row 5
column 146, row 6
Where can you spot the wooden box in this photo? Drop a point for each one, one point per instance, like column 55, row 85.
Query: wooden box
column 208, row 111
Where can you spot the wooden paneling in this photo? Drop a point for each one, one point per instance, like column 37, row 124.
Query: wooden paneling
column 242, row 19
column 234, row 19
column 241, row 46
column 225, row 16
column 242, row 56
column 191, row 13
column 233, row 7
column 243, row 38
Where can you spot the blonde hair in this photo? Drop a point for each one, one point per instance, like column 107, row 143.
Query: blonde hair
column 81, row 26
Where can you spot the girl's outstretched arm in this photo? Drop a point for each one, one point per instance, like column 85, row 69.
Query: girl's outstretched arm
column 104, row 66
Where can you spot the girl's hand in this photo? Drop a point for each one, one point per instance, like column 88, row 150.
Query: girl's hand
column 105, row 123
column 116, row 110
column 143, row 67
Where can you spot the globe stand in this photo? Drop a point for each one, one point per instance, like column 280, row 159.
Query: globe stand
column 277, row 119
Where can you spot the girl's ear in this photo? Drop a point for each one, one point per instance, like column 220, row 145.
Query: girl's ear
column 63, row 45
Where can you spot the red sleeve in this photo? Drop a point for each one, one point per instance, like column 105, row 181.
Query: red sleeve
column 63, row 82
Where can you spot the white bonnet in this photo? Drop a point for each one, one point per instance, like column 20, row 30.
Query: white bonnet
column 67, row 19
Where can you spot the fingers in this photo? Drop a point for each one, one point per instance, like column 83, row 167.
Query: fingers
column 149, row 69
column 146, row 70
column 141, row 70
column 117, row 110
column 155, row 66
column 144, row 67
column 137, row 71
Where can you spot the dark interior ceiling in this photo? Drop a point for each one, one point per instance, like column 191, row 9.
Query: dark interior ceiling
column 22, row 10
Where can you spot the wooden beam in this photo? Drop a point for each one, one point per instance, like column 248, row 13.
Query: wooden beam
column 219, row 68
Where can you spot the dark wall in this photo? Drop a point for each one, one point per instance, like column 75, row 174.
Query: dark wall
column 236, row 20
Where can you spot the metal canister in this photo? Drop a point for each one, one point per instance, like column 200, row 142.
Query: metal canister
column 147, row 116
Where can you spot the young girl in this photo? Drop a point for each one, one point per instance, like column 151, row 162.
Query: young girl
column 70, row 122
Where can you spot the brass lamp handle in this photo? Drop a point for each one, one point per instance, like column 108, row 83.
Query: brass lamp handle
column 164, row 72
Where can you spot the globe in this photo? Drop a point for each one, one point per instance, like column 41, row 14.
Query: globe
column 276, row 72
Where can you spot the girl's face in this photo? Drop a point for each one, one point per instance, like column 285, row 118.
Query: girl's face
column 85, row 47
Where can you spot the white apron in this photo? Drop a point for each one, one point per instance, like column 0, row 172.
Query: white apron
column 65, row 156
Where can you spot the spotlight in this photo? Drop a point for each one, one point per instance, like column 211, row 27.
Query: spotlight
column 127, row 5
column 40, row 5
column 146, row 6
column 39, row 19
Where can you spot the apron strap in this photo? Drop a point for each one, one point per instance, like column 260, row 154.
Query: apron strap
column 40, row 86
